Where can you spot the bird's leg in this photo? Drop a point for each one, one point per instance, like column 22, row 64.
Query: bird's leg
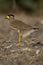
column 19, row 37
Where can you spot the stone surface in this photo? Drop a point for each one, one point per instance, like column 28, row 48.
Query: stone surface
column 29, row 53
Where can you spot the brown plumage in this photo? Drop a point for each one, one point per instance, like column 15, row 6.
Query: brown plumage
column 20, row 25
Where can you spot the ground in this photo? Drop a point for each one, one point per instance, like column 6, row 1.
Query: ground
column 29, row 53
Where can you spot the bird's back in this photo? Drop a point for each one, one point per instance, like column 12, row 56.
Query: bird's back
column 20, row 25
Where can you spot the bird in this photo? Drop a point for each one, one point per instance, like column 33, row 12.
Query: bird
column 19, row 25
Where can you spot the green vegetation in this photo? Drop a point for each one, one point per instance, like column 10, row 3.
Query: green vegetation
column 28, row 4
column 32, row 5
column 6, row 5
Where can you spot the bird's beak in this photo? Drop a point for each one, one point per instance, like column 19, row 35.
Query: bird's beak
column 7, row 17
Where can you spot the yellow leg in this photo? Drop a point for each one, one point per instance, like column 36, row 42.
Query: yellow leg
column 19, row 38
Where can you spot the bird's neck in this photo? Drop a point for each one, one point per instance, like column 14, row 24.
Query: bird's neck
column 12, row 19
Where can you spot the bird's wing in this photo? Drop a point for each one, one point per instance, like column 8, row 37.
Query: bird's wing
column 20, row 25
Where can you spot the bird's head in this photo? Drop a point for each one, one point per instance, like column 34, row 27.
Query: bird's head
column 10, row 16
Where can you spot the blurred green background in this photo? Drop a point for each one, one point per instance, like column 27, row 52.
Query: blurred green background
column 6, row 5
column 30, row 5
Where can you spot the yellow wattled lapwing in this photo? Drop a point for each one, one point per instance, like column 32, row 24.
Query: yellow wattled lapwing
column 18, row 25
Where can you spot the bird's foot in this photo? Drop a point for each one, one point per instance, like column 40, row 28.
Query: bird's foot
column 18, row 44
